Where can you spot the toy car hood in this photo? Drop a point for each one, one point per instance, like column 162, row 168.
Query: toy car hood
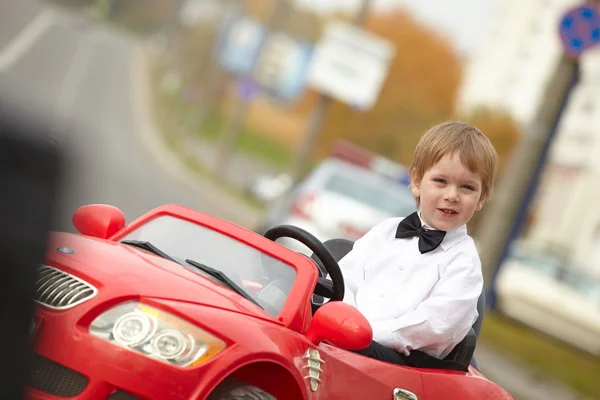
column 121, row 271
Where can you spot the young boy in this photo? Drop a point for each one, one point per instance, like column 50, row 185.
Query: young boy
column 417, row 279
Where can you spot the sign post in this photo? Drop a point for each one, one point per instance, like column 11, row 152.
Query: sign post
column 579, row 30
column 349, row 64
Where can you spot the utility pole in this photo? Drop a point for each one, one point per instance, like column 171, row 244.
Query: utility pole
column 215, row 74
column 317, row 116
column 508, row 211
column 231, row 132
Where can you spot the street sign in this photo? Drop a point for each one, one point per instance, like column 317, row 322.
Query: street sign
column 350, row 64
column 241, row 42
column 282, row 66
column 579, row 29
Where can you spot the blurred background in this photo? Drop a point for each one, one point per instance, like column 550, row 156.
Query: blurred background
column 307, row 112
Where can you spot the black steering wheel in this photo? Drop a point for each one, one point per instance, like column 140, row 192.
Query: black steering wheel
column 318, row 248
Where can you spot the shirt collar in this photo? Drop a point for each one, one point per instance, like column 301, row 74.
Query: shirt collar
column 452, row 237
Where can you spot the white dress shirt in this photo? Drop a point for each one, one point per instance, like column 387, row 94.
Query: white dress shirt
column 426, row 302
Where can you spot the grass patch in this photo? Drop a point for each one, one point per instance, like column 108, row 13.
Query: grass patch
column 549, row 357
column 251, row 142
column 265, row 149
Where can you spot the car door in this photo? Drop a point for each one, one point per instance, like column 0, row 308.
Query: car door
column 347, row 375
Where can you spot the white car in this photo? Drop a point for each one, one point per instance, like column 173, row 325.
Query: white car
column 341, row 199
column 268, row 187
column 538, row 290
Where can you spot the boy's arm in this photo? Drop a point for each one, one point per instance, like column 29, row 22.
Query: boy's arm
column 442, row 320
column 353, row 263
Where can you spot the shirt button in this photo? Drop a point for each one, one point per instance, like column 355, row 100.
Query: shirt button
column 401, row 268
column 381, row 294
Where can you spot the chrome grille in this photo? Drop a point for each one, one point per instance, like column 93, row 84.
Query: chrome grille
column 59, row 290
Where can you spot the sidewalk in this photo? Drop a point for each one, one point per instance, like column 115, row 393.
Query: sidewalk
column 515, row 377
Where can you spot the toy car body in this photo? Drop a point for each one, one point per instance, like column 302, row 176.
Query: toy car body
column 122, row 315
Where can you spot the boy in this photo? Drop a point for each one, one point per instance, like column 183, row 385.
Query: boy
column 417, row 279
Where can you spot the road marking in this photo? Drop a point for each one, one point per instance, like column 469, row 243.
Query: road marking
column 72, row 81
column 19, row 45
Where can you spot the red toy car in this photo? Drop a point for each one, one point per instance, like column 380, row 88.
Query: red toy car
column 182, row 305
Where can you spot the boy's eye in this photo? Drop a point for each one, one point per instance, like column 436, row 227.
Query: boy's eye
column 440, row 180
column 469, row 187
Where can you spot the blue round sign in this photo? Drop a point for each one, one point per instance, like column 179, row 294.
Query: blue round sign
column 579, row 29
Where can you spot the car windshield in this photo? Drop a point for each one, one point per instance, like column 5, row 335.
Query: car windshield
column 377, row 193
column 265, row 279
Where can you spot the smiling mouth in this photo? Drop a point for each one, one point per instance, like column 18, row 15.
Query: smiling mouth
column 447, row 211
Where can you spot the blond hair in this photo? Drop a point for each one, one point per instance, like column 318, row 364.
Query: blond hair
column 474, row 149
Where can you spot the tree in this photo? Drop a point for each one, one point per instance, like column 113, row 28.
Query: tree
column 500, row 128
column 419, row 91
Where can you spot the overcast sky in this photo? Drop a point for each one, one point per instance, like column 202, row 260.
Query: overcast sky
column 465, row 22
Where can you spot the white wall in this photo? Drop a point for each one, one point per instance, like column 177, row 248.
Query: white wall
column 510, row 73
column 512, row 68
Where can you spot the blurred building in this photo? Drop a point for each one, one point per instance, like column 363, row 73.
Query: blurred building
column 511, row 69
column 569, row 212
column 509, row 73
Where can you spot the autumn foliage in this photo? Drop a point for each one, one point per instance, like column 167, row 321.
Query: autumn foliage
column 419, row 92
column 500, row 128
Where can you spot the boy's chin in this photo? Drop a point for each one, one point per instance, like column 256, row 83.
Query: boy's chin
column 445, row 223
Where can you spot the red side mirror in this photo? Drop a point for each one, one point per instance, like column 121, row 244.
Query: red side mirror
column 341, row 325
column 98, row 220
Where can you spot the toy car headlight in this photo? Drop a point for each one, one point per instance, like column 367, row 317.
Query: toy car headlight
column 156, row 334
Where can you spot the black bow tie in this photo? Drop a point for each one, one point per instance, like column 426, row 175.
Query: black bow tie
column 411, row 227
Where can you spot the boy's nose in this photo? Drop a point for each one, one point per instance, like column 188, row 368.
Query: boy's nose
column 451, row 194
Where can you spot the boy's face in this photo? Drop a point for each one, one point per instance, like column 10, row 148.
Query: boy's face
column 449, row 194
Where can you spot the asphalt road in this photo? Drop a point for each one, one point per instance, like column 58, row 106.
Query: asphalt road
column 78, row 77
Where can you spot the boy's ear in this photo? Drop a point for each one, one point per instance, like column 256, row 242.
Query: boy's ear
column 480, row 203
column 415, row 184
